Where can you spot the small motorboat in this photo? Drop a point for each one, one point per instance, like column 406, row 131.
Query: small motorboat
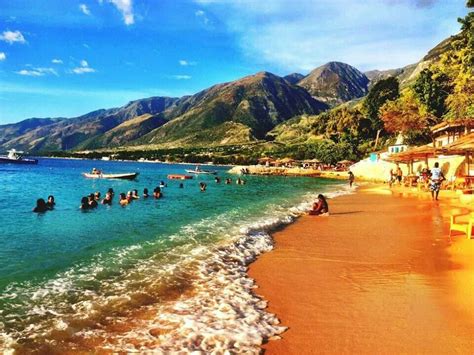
column 199, row 171
column 100, row 175
column 179, row 177
column 16, row 157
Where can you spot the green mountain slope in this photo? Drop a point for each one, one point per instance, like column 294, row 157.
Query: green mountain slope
column 335, row 83
column 248, row 108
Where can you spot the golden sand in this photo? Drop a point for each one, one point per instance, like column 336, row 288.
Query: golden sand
column 379, row 275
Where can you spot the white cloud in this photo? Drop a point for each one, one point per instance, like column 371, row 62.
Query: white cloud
column 56, row 61
column 186, row 63
column 371, row 34
column 181, row 77
column 3, row 56
column 37, row 72
column 85, row 10
column 202, row 15
column 126, row 8
column 12, row 36
column 83, row 68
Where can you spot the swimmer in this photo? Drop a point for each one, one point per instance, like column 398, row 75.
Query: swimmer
column 123, row 200
column 135, row 195
column 181, row 185
column 50, row 204
column 41, row 206
column 92, row 201
column 202, row 186
column 145, row 193
column 108, row 199
column 97, row 196
column 217, row 180
column 84, row 203
column 157, row 192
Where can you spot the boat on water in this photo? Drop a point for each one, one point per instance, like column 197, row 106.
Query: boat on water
column 16, row 157
column 100, row 175
column 198, row 170
column 179, row 177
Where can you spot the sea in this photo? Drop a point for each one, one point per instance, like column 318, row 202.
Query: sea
column 160, row 275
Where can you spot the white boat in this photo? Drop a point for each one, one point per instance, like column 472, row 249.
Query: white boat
column 199, row 171
column 16, row 157
column 125, row 176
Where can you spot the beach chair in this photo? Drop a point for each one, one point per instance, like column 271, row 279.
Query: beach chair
column 462, row 222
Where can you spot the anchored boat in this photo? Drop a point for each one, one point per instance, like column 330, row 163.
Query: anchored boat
column 16, row 157
column 125, row 176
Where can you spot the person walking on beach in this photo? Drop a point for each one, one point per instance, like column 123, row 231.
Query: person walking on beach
column 437, row 178
column 399, row 175
column 351, row 178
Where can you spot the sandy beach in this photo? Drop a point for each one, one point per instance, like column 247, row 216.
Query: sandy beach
column 379, row 275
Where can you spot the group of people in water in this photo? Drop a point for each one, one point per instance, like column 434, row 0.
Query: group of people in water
column 43, row 206
column 93, row 200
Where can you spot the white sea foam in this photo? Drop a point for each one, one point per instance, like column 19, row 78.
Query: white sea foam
column 222, row 313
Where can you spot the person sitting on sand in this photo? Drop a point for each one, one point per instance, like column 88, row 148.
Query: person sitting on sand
column 123, row 200
column 351, row 178
column 50, row 204
column 85, row 203
column 437, row 178
column 202, row 186
column 157, row 192
column 145, row 193
column 107, row 199
column 41, row 206
column 92, row 201
column 320, row 206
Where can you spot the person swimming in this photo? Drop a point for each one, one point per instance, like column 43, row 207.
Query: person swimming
column 97, row 196
column 181, row 185
column 135, row 195
column 157, row 192
column 320, row 206
column 202, row 186
column 41, row 206
column 85, row 203
column 145, row 193
column 217, row 179
column 240, row 181
column 228, row 181
column 50, row 204
column 162, row 184
column 107, row 199
column 111, row 192
column 123, row 199
column 92, row 201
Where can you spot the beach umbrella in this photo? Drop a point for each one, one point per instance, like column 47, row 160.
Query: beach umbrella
column 312, row 161
column 286, row 160
column 345, row 162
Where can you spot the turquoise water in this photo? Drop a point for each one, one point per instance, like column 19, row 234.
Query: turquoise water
column 65, row 274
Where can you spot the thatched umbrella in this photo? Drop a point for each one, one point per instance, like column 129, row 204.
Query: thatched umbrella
column 414, row 154
column 462, row 146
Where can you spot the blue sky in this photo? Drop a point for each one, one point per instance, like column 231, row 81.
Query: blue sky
column 64, row 58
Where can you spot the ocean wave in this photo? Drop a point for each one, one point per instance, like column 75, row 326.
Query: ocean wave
column 215, row 308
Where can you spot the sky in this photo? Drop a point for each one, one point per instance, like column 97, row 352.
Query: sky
column 64, row 58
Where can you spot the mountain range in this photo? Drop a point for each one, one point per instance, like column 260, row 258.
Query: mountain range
column 236, row 112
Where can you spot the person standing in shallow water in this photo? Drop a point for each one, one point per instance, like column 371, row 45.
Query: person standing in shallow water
column 351, row 178
column 436, row 178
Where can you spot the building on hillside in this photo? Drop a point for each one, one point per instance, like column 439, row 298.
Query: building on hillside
column 398, row 147
column 446, row 133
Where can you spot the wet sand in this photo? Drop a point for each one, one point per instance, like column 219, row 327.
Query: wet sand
column 379, row 275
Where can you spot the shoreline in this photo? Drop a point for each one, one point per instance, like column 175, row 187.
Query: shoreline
column 332, row 278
